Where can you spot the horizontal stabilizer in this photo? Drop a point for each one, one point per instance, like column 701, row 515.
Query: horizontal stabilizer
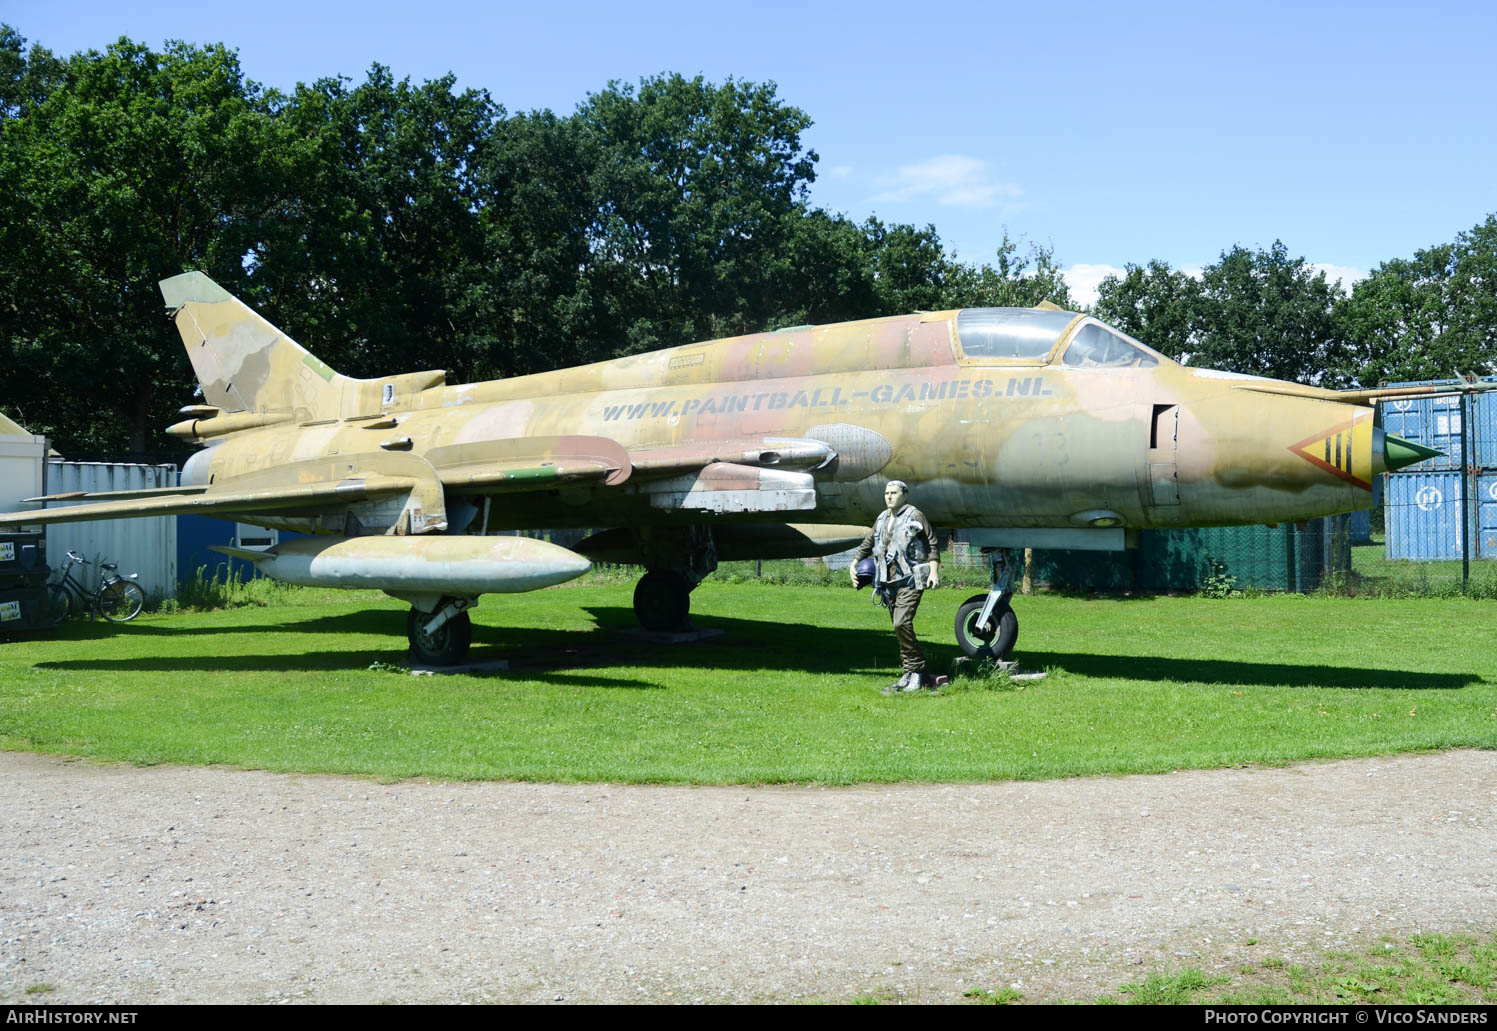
column 120, row 495
column 330, row 482
column 213, row 502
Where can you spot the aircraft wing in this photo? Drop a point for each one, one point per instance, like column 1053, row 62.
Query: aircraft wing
column 769, row 474
column 529, row 463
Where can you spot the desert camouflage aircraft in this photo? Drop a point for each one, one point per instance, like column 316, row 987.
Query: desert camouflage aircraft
column 1029, row 427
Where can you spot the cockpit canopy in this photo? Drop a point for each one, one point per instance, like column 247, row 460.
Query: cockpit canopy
column 1095, row 344
column 1040, row 336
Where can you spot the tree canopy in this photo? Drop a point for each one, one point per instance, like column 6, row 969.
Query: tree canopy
column 1266, row 313
column 1431, row 316
column 391, row 226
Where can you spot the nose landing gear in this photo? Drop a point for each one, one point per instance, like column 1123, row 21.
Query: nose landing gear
column 986, row 626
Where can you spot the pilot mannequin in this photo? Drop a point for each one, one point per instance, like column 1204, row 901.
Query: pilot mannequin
column 901, row 544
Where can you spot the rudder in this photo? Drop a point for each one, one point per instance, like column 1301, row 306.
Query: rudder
column 244, row 363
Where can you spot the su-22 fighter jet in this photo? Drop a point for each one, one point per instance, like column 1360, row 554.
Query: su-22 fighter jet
column 1025, row 426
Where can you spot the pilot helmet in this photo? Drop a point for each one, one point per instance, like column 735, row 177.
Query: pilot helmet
column 865, row 573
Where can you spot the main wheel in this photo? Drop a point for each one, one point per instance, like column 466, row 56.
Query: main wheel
column 662, row 601
column 121, row 600
column 999, row 637
column 58, row 604
column 447, row 647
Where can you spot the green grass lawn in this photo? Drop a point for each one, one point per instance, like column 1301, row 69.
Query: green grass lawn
column 1424, row 970
column 790, row 692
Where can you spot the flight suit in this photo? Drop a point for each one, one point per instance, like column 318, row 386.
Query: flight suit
column 899, row 543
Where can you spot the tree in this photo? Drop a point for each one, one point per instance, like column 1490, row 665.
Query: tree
column 26, row 77
column 1267, row 314
column 373, row 249
column 1017, row 281
column 826, row 272
column 695, row 190
column 913, row 272
column 389, row 226
column 122, row 168
column 1432, row 316
column 1153, row 303
column 537, row 209
column 910, row 268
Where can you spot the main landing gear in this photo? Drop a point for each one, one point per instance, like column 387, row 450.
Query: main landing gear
column 662, row 600
column 441, row 637
column 676, row 560
column 986, row 626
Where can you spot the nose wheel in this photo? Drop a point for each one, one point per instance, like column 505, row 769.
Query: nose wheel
column 986, row 626
column 993, row 639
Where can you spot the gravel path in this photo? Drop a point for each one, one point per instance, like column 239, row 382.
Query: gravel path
column 171, row 884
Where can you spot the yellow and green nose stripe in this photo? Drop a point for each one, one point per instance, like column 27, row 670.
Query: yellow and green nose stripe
column 1356, row 450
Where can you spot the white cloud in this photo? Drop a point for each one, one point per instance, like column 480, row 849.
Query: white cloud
column 1083, row 279
column 840, row 171
column 952, row 179
column 1345, row 274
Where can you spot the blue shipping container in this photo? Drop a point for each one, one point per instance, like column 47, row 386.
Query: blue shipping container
column 195, row 536
column 1437, row 422
column 1486, row 516
column 1422, row 515
column 1359, row 526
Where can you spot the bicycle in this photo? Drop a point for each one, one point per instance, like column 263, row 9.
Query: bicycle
column 118, row 599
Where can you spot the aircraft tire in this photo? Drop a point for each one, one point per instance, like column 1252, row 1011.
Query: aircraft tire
column 997, row 642
column 447, row 647
column 662, row 601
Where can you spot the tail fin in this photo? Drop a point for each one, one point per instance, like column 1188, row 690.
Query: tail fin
column 243, row 362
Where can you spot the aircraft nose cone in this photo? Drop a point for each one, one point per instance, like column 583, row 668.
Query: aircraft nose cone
column 1398, row 452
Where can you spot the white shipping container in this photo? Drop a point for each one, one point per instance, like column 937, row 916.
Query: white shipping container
column 144, row 546
column 22, row 456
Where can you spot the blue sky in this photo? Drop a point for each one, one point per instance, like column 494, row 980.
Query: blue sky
column 1111, row 132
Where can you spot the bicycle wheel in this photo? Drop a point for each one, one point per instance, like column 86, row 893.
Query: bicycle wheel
column 121, row 600
column 58, row 604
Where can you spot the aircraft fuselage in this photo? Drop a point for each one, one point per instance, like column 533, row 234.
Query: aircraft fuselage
column 983, row 442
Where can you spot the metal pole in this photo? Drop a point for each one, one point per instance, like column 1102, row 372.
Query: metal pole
column 1466, row 494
